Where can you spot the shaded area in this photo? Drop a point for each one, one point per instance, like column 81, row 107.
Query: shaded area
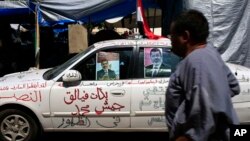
column 16, row 49
column 53, row 47
column 105, row 34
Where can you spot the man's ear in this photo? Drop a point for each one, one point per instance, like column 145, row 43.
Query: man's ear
column 185, row 35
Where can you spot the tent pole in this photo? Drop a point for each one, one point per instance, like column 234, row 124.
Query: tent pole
column 37, row 45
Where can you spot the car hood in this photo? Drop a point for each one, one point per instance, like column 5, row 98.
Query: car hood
column 32, row 74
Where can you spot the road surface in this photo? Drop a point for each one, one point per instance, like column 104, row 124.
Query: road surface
column 110, row 136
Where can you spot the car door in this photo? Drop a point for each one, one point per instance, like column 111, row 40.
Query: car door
column 148, row 92
column 95, row 102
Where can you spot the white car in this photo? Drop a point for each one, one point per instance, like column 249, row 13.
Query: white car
column 76, row 96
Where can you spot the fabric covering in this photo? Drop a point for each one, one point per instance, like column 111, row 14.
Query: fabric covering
column 230, row 27
column 94, row 11
column 60, row 11
column 14, row 8
column 229, row 19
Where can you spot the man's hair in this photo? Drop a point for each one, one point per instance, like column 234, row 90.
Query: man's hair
column 194, row 22
column 155, row 50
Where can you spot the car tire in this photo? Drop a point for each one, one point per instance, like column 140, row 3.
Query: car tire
column 17, row 125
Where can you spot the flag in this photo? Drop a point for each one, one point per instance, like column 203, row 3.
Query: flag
column 143, row 24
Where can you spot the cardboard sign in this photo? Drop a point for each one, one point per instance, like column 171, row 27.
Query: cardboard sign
column 78, row 38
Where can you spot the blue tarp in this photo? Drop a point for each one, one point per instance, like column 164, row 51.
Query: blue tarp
column 60, row 11
column 94, row 11
column 14, row 11
column 16, row 8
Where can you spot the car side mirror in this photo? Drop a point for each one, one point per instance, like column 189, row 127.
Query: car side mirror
column 71, row 77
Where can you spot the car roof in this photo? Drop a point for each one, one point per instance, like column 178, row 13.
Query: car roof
column 164, row 42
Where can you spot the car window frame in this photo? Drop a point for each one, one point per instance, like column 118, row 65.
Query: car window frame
column 93, row 52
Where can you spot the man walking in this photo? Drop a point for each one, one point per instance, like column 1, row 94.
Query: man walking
column 198, row 98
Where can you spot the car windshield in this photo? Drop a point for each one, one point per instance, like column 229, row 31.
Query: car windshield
column 52, row 73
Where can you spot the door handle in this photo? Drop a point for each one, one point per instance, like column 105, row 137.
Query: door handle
column 117, row 92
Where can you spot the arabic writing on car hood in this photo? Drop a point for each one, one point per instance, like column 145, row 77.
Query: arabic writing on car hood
column 25, row 76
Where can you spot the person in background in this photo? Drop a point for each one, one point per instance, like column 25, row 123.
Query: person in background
column 198, row 97
column 106, row 73
column 157, row 68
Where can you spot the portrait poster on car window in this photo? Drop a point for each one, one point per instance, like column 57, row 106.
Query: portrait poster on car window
column 107, row 66
column 157, row 62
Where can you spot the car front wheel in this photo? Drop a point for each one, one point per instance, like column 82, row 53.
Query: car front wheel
column 16, row 125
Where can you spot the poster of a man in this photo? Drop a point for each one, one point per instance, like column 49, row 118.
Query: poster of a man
column 107, row 66
column 153, row 62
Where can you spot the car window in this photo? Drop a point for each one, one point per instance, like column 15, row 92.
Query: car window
column 156, row 62
column 107, row 64
column 52, row 73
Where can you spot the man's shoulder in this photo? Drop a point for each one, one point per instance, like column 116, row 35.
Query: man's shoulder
column 203, row 55
column 206, row 51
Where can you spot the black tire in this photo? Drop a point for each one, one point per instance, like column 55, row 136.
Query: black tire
column 17, row 125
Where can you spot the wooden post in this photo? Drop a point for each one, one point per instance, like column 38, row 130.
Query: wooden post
column 37, row 40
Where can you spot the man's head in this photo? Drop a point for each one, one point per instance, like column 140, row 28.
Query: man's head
column 105, row 64
column 156, row 56
column 189, row 28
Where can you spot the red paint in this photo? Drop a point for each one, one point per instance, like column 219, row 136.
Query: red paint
column 31, row 96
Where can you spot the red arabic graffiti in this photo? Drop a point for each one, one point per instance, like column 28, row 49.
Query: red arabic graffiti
column 83, row 96
column 81, row 110
column 34, row 96
column 147, row 81
column 114, row 107
column 33, row 85
column 76, row 96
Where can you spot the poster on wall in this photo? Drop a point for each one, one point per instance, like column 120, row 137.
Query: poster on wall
column 107, row 66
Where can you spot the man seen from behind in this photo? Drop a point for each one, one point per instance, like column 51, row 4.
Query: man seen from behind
column 198, row 98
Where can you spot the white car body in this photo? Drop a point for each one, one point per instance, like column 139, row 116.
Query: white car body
column 242, row 101
column 117, row 105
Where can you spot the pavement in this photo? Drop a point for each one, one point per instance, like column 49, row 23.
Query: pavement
column 110, row 136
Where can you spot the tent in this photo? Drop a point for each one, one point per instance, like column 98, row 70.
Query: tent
column 52, row 12
column 229, row 27
column 229, row 20
column 13, row 8
column 85, row 11
column 16, row 11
